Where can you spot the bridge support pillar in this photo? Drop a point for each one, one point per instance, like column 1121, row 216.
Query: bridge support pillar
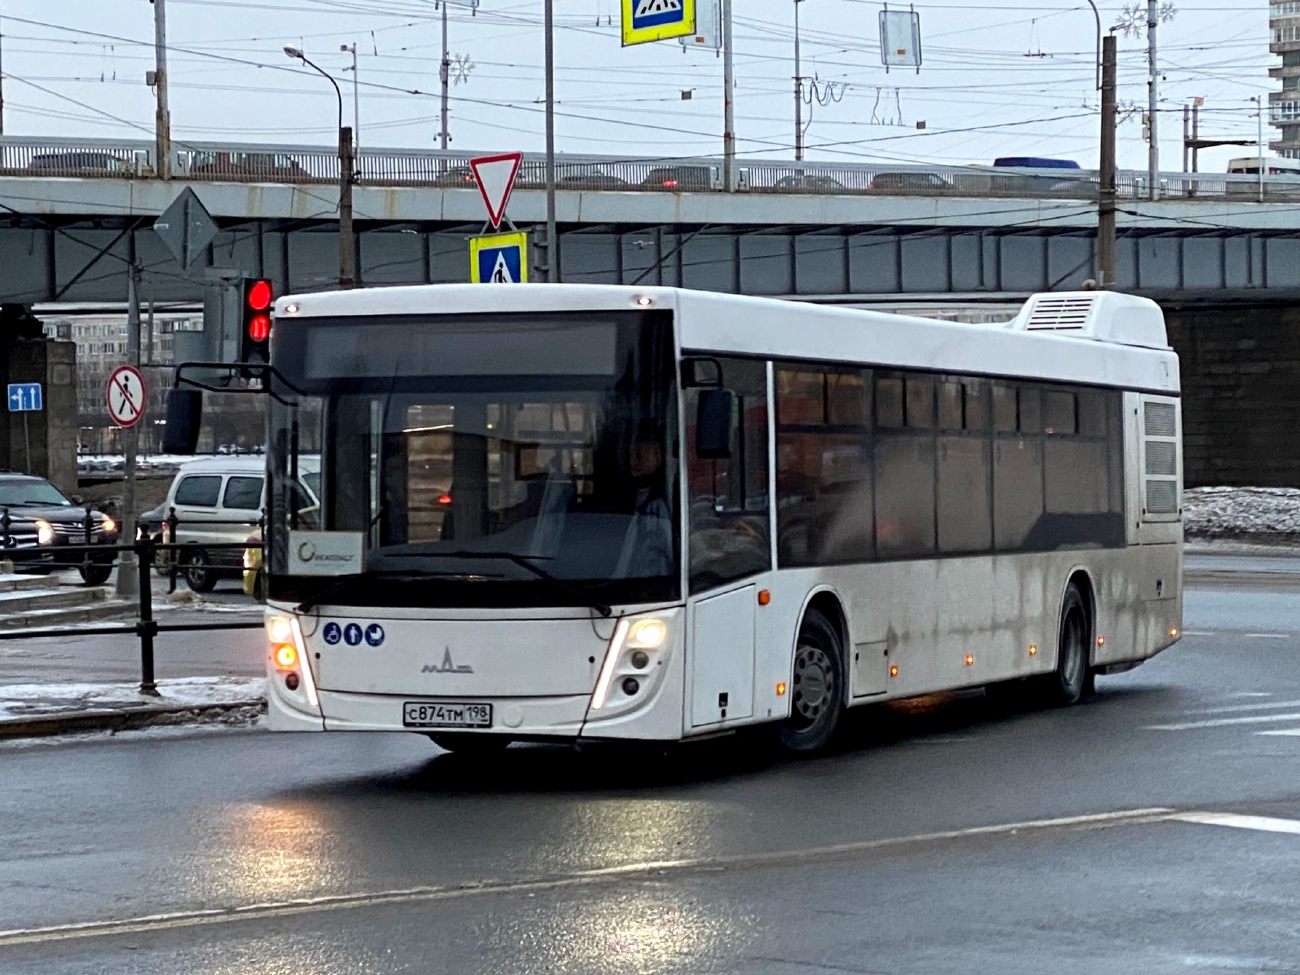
column 46, row 443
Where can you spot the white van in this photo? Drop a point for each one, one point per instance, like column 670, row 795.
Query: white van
column 217, row 500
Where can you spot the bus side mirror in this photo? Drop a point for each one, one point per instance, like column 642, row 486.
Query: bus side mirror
column 715, row 423
column 184, row 417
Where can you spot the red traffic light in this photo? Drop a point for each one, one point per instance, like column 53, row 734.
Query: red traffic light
column 259, row 328
column 259, row 298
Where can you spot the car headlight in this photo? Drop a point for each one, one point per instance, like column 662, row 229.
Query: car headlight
column 108, row 524
column 44, row 532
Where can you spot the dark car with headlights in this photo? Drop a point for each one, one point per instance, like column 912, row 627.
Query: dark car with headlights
column 37, row 520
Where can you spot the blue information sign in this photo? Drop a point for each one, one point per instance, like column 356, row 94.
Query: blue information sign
column 25, row 398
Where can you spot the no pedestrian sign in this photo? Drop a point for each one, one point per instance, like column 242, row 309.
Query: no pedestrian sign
column 126, row 396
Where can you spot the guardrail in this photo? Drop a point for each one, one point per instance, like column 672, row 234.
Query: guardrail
column 146, row 628
column 223, row 162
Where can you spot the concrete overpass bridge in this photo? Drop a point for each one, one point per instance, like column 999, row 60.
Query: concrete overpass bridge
column 1222, row 257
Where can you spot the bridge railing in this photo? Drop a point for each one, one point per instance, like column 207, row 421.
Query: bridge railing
column 223, row 162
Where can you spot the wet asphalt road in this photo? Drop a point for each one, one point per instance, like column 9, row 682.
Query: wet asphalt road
column 375, row 854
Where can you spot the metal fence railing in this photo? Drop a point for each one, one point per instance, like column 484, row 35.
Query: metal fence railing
column 145, row 627
column 223, row 162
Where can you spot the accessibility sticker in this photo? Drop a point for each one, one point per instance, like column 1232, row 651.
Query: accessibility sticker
column 333, row 633
column 352, row 634
column 375, row 635
column 656, row 20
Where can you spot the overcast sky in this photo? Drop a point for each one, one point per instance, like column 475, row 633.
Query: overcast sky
column 1011, row 78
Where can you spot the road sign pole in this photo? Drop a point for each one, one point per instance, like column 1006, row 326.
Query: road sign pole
column 552, row 245
column 127, row 582
column 27, row 443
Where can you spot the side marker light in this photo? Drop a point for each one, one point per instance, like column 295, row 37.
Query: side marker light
column 893, row 670
column 764, row 597
column 970, row 660
column 780, row 688
column 1033, row 649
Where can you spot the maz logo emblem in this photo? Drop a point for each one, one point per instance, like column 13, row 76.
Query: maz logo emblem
column 448, row 666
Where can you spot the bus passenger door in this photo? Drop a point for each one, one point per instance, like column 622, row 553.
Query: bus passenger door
column 729, row 547
column 722, row 669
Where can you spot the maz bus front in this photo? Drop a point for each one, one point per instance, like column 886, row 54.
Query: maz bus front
column 562, row 512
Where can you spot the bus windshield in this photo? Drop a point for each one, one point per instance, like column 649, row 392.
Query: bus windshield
column 449, row 444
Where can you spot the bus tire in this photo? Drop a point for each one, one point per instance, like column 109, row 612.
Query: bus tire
column 816, row 688
column 471, row 744
column 1066, row 684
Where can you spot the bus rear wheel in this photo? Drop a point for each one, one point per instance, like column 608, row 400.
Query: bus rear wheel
column 1067, row 683
column 816, row 688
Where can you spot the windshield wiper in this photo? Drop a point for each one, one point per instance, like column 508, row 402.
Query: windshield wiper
column 523, row 562
column 311, row 602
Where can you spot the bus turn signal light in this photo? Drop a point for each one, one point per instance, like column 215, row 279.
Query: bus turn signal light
column 286, row 656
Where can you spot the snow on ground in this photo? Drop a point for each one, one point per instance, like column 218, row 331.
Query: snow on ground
column 28, row 700
column 1223, row 512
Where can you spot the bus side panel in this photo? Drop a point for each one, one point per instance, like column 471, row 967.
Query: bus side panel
column 964, row 622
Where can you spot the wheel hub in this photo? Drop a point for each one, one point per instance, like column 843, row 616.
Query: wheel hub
column 813, row 683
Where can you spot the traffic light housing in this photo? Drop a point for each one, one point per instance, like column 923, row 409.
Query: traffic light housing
column 255, row 337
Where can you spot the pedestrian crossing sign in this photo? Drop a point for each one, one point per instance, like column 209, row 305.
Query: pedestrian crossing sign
column 656, row 20
column 499, row 259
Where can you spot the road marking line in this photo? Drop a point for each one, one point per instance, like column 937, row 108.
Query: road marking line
column 1269, row 636
column 1291, row 732
column 1252, row 694
column 1265, row 824
column 312, row 905
column 1201, row 632
column 1231, row 708
column 1222, row 722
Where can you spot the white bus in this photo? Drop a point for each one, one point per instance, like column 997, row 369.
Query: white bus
column 568, row 512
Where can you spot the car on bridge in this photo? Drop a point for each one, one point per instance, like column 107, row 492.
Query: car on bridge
column 85, row 163
column 680, row 178
column 248, row 167
column 910, row 182
column 809, row 183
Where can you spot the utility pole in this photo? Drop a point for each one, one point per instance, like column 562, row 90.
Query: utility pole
column 2, row 86
column 1153, row 83
column 798, row 89
column 347, row 176
column 356, row 97
column 728, row 102
column 162, row 117
column 1106, row 190
column 347, row 239
column 1259, row 141
column 444, row 75
column 552, row 244
column 128, row 582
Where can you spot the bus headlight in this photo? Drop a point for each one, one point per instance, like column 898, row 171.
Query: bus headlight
column 630, row 668
column 289, row 656
column 647, row 635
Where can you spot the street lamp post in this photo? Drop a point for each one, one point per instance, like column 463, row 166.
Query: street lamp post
column 347, row 240
column 1259, row 141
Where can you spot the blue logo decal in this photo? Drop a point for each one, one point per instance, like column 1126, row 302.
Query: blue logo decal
column 374, row 634
column 333, row 633
column 352, row 633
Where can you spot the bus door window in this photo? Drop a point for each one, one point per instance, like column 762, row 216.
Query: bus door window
column 728, row 498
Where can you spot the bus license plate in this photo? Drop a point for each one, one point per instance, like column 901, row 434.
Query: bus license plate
column 446, row 714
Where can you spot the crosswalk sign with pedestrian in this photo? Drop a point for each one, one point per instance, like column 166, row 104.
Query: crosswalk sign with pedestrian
column 656, row 20
column 499, row 259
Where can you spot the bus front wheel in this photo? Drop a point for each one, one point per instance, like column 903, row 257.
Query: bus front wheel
column 1065, row 685
column 816, row 687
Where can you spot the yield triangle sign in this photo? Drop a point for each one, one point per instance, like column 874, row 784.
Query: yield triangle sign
column 495, row 176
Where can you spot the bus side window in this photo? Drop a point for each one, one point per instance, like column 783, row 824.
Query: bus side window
column 728, row 513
